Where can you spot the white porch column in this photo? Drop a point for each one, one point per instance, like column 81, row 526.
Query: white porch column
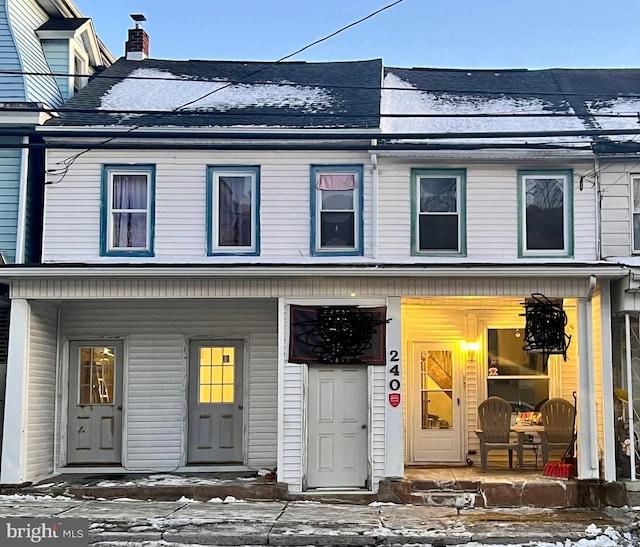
column 586, row 406
column 15, row 417
column 607, row 383
column 394, row 442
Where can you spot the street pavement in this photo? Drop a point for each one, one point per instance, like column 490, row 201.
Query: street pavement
column 131, row 523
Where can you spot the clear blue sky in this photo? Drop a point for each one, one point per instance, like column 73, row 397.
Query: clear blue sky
column 429, row 33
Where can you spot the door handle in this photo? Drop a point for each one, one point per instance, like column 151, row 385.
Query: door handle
column 240, row 407
column 119, row 407
column 363, row 426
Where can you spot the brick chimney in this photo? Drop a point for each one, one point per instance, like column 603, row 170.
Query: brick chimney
column 137, row 46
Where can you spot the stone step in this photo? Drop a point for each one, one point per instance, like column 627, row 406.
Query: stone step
column 446, row 485
column 442, row 498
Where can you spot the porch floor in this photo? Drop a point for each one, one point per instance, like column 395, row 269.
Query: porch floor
column 462, row 487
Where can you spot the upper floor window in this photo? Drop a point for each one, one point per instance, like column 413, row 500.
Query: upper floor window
column 79, row 71
column 128, row 210
column 336, row 210
column 545, row 201
column 233, row 210
column 636, row 213
column 438, row 219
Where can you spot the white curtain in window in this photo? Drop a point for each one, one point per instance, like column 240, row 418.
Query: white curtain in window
column 337, row 182
column 130, row 211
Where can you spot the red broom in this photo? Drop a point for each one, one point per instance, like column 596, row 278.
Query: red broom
column 566, row 467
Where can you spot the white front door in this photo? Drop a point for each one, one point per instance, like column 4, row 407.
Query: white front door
column 95, row 403
column 338, row 427
column 435, row 405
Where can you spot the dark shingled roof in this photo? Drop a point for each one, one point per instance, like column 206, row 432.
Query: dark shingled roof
column 354, row 88
column 63, row 24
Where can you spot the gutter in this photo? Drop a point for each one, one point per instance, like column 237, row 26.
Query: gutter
column 145, row 270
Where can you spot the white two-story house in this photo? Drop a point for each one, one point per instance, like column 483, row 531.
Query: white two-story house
column 287, row 265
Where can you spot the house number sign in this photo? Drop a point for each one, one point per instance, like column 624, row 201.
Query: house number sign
column 394, row 383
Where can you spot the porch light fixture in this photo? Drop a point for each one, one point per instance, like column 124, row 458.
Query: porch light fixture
column 545, row 327
column 471, row 348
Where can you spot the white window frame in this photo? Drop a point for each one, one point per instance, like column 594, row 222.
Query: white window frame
column 213, row 208
column 111, row 211
column 356, row 208
column 567, row 212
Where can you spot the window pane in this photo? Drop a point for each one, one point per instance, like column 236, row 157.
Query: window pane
column 234, row 214
column 545, row 214
column 438, row 232
column 97, row 375
column 636, row 232
column 437, row 410
column 636, row 195
column 337, row 230
column 524, row 394
column 438, row 195
column 333, row 200
column 130, row 230
column 129, row 191
column 504, row 348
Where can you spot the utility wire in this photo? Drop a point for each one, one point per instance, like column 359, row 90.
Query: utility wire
column 102, row 75
column 68, row 162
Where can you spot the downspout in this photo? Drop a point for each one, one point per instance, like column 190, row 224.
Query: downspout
column 374, row 205
column 22, row 203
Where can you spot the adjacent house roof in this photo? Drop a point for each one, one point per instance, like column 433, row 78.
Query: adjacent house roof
column 430, row 101
column 229, row 94
column 63, row 24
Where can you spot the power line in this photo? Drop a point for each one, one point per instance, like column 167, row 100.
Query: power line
column 104, row 76
column 68, row 162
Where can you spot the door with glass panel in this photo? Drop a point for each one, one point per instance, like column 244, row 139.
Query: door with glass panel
column 95, row 403
column 215, row 402
column 436, row 417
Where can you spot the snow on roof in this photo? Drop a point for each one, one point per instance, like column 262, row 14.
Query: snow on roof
column 160, row 90
column 616, row 106
column 401, row 97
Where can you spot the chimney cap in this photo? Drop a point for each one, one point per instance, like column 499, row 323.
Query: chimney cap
column 138, row 17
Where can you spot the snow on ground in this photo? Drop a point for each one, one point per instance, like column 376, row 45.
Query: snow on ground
column 165, row 479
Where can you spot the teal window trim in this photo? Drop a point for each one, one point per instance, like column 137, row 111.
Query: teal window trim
column 635, row 213
column 213, row 173
column 108, row 170
column 358, row 207
column 568, row 228
column 461, row 199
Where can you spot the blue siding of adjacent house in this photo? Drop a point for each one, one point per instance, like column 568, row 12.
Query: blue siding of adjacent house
column 57, row 53
column 25, row 17
column 12, row 88
column 9, row 193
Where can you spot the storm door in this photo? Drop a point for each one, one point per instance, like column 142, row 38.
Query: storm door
column 95, row 403
column 215, row 402
column 436, row 432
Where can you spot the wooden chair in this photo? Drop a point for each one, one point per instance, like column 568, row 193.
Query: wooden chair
column 494, row 416
column 558, row 419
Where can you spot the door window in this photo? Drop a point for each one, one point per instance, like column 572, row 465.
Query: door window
column 216, row 378
column 436, row 389
column 97, row 375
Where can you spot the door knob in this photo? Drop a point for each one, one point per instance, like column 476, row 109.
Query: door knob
column 363, row 426
column 240, row 407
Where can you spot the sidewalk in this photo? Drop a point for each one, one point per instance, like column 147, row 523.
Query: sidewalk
column 187, row 522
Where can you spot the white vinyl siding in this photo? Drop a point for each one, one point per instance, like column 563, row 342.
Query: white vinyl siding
column 491, row 211
column 616, row 204
column 41, row 391
column 25, row 16
column 72, row 217
column 156, row 334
